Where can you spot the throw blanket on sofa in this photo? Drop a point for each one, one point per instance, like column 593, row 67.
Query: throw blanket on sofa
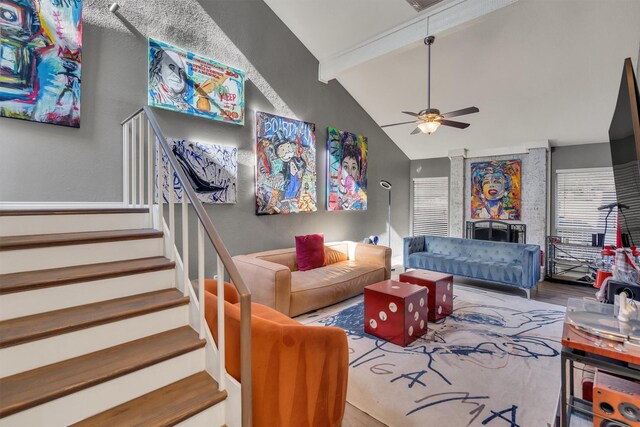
column 512, row 264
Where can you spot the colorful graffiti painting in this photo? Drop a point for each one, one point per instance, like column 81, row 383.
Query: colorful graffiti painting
column 191, row 84
column 496, row 189
column 41, row 60
column 346, row 171
column 286, row 165
column 211, row 169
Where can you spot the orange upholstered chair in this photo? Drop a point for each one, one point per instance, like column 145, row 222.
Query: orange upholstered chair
column 299, row 372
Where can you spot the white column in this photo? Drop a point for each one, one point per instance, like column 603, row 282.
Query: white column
column 534, row 190
column 456, row 193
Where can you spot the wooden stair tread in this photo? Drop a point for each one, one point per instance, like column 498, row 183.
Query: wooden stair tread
column 29, row 212
column 30, row 280
column 29, row 328
column 62, row 239
column 31, row 388
column 164, row 407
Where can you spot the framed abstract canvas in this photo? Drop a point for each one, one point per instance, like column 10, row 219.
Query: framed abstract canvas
column 191, row 84
column 285, row 166
column 41, row 60
column 346, row 171
column 212, row 171
column 496, row 190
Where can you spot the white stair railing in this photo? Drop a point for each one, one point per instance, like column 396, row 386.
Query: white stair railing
column 143, row 139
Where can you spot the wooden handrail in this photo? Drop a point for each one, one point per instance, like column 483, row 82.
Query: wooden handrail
column 223, row 253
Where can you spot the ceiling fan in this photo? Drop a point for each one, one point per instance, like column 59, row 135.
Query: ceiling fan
column 430, row 119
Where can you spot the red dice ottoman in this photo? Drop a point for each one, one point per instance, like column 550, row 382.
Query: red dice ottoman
column 395, row 311
column 440, row 287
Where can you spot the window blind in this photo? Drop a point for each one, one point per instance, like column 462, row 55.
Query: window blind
column 579, row 193
column 431, row 206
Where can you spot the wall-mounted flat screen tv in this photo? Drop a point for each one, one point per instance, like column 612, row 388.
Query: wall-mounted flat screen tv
column 624, row 139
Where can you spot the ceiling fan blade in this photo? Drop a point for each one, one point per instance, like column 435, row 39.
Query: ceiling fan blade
column 415, row 131
column 401, row 123
column 461, row 112
column 451, row 123
column 410, row 113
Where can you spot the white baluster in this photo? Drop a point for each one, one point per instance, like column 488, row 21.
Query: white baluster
column 172, row 214
column 141, row 138
column 150, row 177
column 221, row 337
column 203, row 323
column 185, row 242
column 160, row 194
column 134, row 172
column 125, row 164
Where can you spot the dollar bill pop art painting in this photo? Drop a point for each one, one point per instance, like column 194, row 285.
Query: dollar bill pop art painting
column 286, row 165
column 191, row 84
column 41, row 60
column 496, row 189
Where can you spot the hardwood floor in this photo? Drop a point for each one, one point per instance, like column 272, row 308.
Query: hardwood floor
column 553, row 293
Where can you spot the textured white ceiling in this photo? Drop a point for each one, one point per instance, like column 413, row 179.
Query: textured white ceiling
column 537, row 69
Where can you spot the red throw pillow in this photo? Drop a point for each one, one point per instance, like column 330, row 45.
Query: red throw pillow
column 310, row 251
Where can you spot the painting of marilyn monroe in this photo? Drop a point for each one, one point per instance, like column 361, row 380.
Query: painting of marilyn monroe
column 496, row 190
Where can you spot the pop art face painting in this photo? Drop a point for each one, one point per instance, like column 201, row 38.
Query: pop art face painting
column 346, row 171
column 286, row 165
column 496, row 190
column 40, row 60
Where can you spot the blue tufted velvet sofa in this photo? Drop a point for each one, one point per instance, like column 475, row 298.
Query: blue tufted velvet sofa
column 512, row 264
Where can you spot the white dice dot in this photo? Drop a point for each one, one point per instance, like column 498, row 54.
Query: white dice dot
column 448, row 286
column 383, row 316
column 410, row 330
column 393, row 307
column 416, row 315
column 444, row 298
column 395, row 287
column 421, row 302
column 373, row 323
column 422, row 324
column 410, row 307
column 439, row 309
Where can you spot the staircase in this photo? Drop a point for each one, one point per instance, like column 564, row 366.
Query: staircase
column 93, row 331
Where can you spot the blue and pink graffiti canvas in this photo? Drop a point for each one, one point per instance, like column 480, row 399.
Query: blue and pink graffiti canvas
column 41, row 60
column 286, row 165
column 191, row 84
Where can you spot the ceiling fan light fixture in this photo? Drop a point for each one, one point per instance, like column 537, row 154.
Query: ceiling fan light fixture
column 429, row 127
column 430, row 119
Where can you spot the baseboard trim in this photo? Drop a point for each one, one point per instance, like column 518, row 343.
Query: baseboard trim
column 60, row 205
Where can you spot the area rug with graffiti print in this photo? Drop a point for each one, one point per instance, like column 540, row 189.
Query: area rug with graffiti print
column 495, row 361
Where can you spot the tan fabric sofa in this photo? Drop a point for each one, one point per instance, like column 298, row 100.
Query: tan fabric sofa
column 275, row 281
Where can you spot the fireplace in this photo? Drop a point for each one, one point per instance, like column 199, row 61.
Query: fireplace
column 496, row 231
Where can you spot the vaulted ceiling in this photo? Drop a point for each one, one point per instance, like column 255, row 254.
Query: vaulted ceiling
column 537, row 69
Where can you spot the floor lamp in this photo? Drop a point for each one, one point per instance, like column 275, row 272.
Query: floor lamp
column 387, row 186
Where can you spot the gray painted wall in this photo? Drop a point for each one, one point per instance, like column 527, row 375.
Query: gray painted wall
column 48, row 163
column 576, row 157
column 426, row 168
